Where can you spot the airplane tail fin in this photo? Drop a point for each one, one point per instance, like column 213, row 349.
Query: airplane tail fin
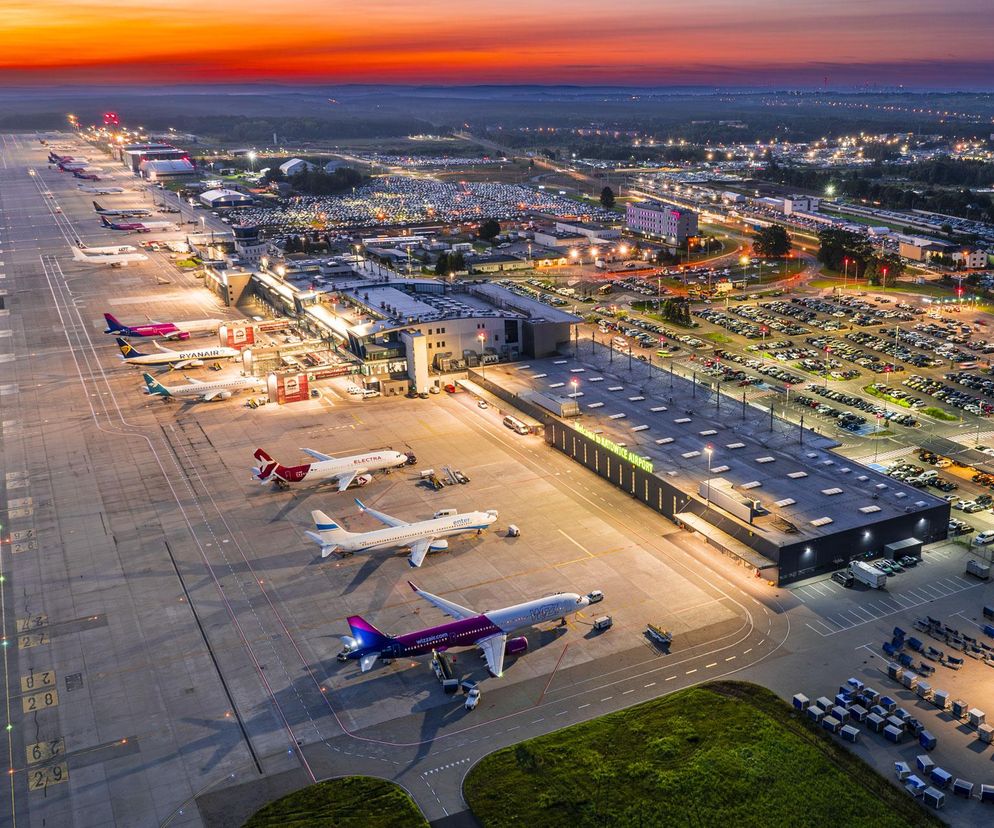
column 329, row 534
column 127, row 348
column 154, row 386
column 113, row 326
column 103, row 220
column 264, row 471
column 366, row 635
column 97, row 207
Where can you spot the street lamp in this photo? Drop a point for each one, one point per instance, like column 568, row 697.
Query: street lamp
column 845, row 279
column 251, row 157
column 483, row 338
column 709, row 451
column 573, row 384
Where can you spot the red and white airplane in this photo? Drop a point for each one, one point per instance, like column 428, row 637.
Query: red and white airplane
column 341, row 470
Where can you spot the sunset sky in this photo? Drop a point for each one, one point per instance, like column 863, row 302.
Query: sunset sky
column 917, row 42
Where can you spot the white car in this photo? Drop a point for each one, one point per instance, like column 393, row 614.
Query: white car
column 472, row 698
column 983, row 538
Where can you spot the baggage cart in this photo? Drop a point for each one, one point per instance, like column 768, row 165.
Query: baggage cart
column 850, row 733
column 910, row 681
column 959, row 708
column 888, row 704
column 840, row 713
column 894, row 734
column 977, row 717
column 875, row 723
column 831, row 724
column 815, row 713
column 924, row 690
column 857, row 712
column 987, row 793
column 985, row 733
column 940, row 778
column 924, row 762
column 801, row 702
column 902, row 771
column 940, row 698
column 914, row 785
column 926, row 740
column 933, row 797
column 962, row 787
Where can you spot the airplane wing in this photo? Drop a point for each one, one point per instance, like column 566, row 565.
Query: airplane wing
column 493, row 650
column 317, row 455
column 448, row 607
column 194, row 381
column 211, row 396
column 345, row 480
column 418, row 551
column 158, row 345
column 380, row 516
column 186, row 363
column 366, row 661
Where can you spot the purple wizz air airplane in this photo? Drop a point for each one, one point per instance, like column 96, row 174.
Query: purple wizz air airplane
column 169, row 330
column 487, row 630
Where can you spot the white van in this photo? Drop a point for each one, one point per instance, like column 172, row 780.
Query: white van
column 515, row 424
column 366, row 393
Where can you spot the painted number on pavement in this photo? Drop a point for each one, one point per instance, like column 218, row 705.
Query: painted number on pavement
column 35, row 680
column 39, row 701
column 43, row 751
column 40, row 778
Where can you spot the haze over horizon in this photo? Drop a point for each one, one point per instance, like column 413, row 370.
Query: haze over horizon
column 632, row 42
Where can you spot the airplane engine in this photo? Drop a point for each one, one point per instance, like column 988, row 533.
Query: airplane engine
column 224, row 395
column 179, row 335
column 363, row 479
column 517, row 646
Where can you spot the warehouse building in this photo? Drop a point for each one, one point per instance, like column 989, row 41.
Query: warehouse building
column 768, row 493
column 223, row 198
column 167, row 170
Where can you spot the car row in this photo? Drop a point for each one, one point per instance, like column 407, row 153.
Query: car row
column 852, row 354
column 950, row 395
column 876, row 410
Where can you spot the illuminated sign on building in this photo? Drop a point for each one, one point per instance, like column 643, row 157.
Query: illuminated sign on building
column 625, row 454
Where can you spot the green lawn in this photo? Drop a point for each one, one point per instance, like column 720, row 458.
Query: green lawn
column 873, row 392
column 717, row 337
column 349, row 802
column 723, row 754
column 940, row 414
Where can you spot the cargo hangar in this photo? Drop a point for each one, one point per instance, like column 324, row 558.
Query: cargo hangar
column 767, row 492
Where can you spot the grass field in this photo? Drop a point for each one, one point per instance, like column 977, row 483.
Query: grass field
column 873, row 392
column 940, row 414
column 349, row 802
column 723, row 754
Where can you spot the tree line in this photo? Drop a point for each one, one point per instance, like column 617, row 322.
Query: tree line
column 837, row 247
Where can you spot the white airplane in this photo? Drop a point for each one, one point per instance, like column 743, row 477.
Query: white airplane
column 192, row 358
column 341, row 470
column 124, row 212
column 100, row 190
column 419, row 537
column 116, row 249
column 112, row 259
column 204, row 391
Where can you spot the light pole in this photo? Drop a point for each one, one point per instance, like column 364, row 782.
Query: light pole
column 828, row 350
column 575, row 382
column 251, row 157
column 709, row 451
column 845, row 278
column 483, row 338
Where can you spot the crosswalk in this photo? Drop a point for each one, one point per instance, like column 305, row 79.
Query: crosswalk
column 880, row 606
column 884, row 456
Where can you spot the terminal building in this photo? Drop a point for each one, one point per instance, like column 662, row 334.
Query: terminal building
column 769, row 493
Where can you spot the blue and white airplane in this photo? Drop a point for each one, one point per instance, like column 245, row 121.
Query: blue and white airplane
column 420, row 537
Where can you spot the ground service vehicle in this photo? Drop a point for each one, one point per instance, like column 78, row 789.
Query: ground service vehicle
column 869, row 575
